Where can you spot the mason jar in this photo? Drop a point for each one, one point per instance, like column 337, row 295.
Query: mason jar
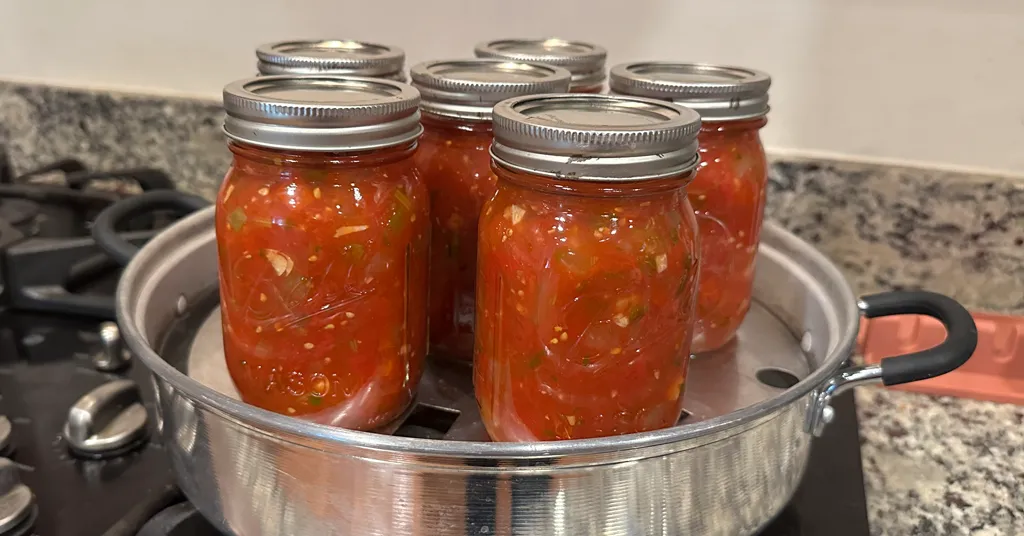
column 331, row 56
column 587, row 268
column 322, row 237
column 584, row 60
column 728, row 193
column 455, row 162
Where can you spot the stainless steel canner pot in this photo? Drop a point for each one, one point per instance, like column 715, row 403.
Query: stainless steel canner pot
column 728, row 467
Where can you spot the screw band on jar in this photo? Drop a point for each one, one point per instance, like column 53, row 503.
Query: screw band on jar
column 468, row 89
column 331, row 56
column 584, row 60
column 321, row 112
column 595, row 137
column 717, row 92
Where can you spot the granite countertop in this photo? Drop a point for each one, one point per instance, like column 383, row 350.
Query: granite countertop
column 933, row 465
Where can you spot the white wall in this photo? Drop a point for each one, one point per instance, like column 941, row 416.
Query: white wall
column 934, row 81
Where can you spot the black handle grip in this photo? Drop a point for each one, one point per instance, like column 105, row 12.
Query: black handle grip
column 961, row 334
column 104, row 228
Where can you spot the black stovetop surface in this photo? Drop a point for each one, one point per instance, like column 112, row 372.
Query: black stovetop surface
column 45, row 368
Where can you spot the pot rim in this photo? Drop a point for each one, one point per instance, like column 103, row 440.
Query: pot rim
column 197, row 228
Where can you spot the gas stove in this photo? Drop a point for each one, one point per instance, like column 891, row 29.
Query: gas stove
column 48, row 258
column 81, row 453
column 73, row 440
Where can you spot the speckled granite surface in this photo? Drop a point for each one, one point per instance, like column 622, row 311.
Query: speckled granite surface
column 111, row 131
column 933, row 465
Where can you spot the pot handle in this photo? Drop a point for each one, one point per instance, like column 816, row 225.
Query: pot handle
column 961, row 334
column 961, row 340
column 104, row 226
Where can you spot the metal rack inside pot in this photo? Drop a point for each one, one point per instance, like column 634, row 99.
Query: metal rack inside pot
column 763, row 360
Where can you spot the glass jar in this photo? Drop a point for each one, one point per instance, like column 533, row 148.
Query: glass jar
column 455, row 163
column 322, row 237
column 331, row 56
column 584, row 60
column 587, row 268
column 728, row 192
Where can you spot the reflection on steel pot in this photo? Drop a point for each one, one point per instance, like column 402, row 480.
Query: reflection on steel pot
column 727, row 468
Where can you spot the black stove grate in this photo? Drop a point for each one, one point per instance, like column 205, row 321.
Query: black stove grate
column 47, row 257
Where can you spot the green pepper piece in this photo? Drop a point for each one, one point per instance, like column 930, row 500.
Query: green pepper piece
column 236, row 219
column 572, row 261
column 675, row 221
column 649, row 264
column 395, row 222
column 403, row 199
column 453, row 245
column 316, row 175
column 355, row 251
column 637, row 312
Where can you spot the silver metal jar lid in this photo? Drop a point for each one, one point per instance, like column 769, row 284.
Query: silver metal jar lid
column 717, row 92
column 334, row 56
column 469, row 89
column 321, row 112
column 587, row 137
column 584, row 60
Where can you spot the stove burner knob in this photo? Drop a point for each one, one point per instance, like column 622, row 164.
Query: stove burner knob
column 107, row 422
column 5, row 435
column 17, row 503
column 113, row 356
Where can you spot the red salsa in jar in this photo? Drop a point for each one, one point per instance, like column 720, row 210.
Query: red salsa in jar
column 455, row 162
column 584, row 60
column 331, row 56
column 322, row 237
column 728, row 193
column 587, row 268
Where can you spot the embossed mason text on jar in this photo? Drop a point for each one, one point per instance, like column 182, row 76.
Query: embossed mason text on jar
column 728, row 193
column 587, row 268
column 322, row 237
column 584, row 60
column 455, row 162
column 331, row 56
